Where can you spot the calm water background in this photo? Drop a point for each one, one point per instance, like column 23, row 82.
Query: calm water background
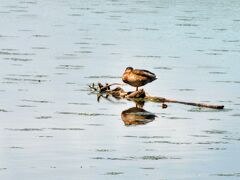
column 51, row 127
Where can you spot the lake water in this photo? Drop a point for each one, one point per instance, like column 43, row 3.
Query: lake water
column 51, row 125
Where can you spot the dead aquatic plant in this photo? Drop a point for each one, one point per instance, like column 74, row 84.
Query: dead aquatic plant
column 139, row 96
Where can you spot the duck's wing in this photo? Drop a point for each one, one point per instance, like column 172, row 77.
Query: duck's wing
column 145, row 73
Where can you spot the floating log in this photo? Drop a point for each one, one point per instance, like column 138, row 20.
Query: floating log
column 164, row 100
column 140, row 95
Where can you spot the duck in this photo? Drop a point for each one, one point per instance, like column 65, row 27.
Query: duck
column 137, row 77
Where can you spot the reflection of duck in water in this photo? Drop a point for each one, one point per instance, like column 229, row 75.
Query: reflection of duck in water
column 137, row 116
column 137, row 77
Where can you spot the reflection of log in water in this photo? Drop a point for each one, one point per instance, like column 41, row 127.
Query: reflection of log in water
column 137, row 116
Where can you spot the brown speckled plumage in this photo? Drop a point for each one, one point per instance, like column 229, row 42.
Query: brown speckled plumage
column 137, row 77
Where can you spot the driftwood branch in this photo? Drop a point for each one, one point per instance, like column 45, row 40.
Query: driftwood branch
column 164, row 100
column 140, row 96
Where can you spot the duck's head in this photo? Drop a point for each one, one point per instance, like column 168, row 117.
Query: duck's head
column 128, row 69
